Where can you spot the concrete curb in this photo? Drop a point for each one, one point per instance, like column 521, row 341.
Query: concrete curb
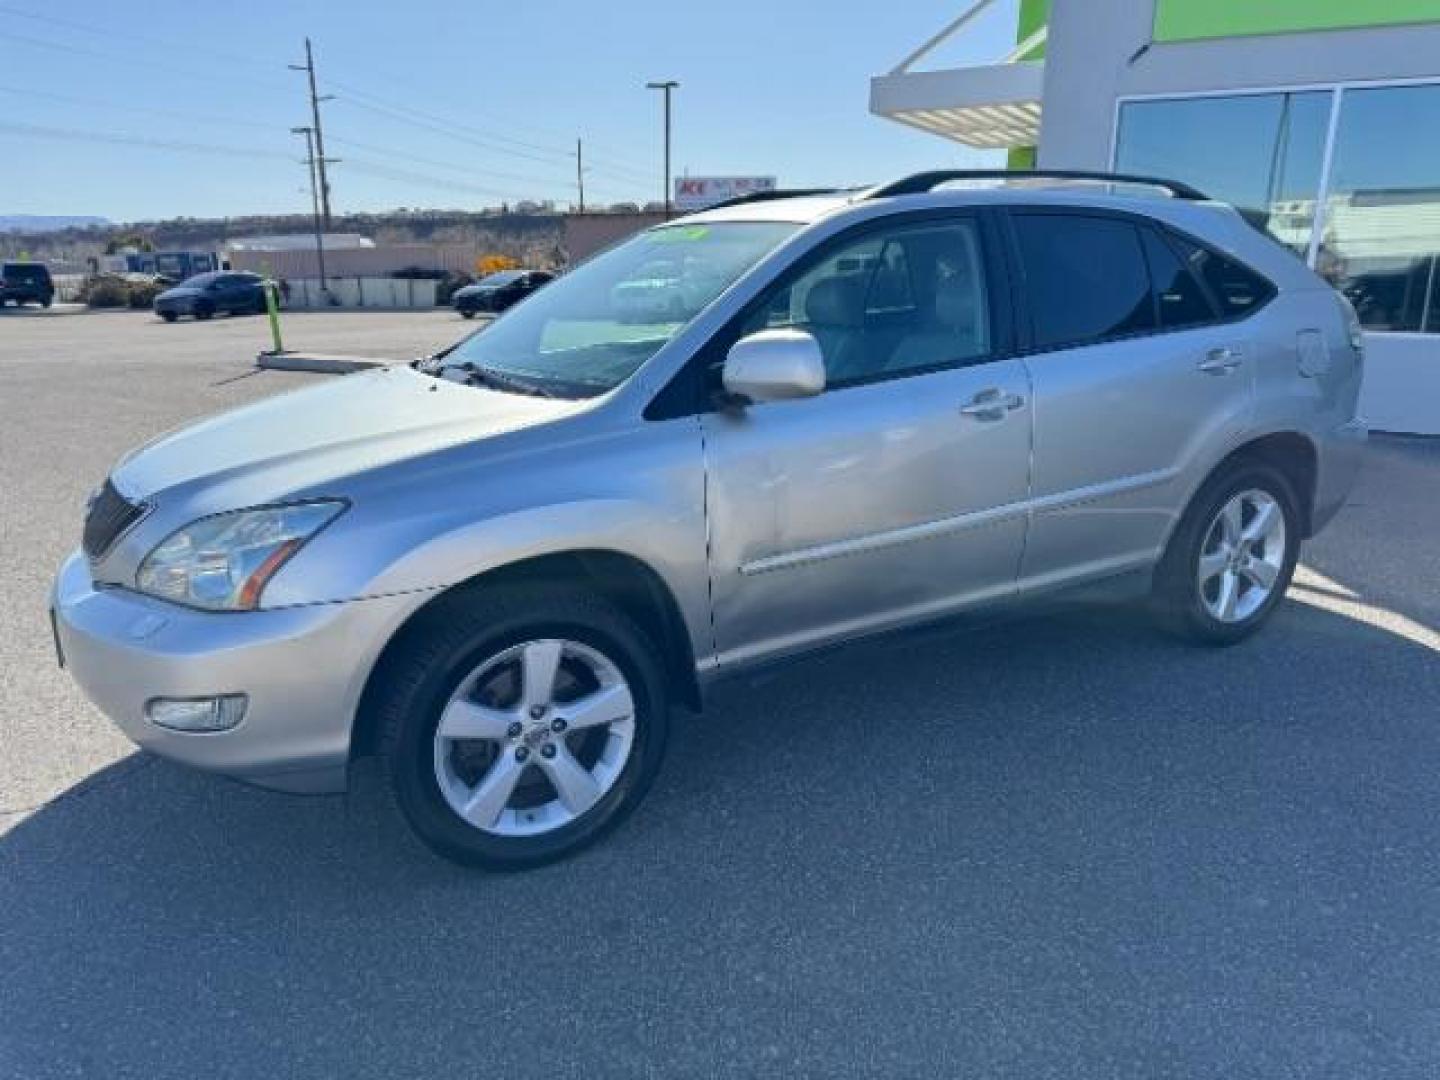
column 317, row 363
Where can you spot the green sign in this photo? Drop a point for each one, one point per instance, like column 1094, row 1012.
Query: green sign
column 1187, row 20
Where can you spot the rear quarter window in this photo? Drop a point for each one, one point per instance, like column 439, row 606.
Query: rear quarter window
column 1236, row 289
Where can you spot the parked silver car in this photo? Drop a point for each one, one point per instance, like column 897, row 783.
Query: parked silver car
column 500, row 567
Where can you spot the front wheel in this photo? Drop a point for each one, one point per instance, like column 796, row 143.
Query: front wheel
column 1232, row 556
column 466, row 313
column 522, row 724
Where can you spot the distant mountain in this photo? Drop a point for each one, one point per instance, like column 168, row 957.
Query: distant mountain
column 39, row 223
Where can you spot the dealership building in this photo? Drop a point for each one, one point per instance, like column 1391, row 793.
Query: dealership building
column 1318, row 119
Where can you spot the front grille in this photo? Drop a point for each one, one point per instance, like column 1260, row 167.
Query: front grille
column 110, row 514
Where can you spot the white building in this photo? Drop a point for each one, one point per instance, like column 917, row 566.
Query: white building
column 1318, row 121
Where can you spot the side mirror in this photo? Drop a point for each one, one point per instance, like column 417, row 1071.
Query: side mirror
column 774, row 365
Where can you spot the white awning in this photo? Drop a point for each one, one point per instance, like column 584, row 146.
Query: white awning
column 988, row 106
column 993, row 107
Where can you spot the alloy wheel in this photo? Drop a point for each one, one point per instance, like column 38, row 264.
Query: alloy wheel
column 533, row 737
column 1242, row 556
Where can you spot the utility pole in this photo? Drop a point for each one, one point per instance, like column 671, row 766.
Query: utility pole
column 580, row 172
column 318, row 153
column 666, row 87
column 315, row 166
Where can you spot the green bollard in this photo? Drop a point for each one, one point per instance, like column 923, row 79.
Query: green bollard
column 272, row 308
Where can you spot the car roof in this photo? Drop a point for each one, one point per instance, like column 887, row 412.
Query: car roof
column 1216, row 223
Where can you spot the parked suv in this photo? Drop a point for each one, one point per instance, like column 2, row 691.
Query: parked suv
column 26, row 283
column 500, row 567
column 204, row 295
column 496, row 292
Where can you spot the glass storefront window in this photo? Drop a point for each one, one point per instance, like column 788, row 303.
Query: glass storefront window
column 1381, row 237
column 1262, row 153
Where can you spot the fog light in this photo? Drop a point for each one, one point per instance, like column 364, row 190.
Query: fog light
column 197, row 714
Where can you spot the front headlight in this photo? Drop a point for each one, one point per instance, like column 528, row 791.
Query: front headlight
column 224, row 562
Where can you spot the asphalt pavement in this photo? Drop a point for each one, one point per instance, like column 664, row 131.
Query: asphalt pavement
column 1054, row 844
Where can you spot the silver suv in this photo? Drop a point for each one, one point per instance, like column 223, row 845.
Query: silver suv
column 501, row 566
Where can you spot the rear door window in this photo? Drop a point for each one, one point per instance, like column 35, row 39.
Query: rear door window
column 1086, row 278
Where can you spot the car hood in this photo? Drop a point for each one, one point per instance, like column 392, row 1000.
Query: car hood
column 178, row 293
column 308, row 441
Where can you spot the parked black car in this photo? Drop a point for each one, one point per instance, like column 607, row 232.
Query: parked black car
column 495, row 293
column 205, row 294
column 26, row 283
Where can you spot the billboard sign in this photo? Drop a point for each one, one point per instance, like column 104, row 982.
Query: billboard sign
column 698, row 192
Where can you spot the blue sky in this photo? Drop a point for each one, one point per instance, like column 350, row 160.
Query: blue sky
column 457, row 104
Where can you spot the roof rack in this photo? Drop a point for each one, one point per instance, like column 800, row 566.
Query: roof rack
column 920, row 183
column 776, row 193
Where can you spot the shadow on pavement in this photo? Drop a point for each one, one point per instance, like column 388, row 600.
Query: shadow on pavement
column 1384, row 547
column 1048, row 847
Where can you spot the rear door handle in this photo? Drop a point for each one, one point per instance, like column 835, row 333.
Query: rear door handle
column 991, row 405
column 1220, row 361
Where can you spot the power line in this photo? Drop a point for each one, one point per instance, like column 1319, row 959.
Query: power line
column 489, row 141
column 97, row 103
column 114, row 58
column 608, row 153
column 356, row 96
column 486, row 139
column 109, row 32
column 182, row 145
column 451, row 166
column 468, row 133
column 374, row 168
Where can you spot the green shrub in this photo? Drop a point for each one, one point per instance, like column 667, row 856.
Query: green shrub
column 105, row 291
column 113, row 291
column 143, row 293
column 446, row 288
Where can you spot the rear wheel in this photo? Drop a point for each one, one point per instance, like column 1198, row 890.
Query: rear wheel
column 1232, row 556
column 522, row 724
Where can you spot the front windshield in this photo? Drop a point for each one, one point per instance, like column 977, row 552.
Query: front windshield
column 199, row 281
column 589, row 330
column 504, row 277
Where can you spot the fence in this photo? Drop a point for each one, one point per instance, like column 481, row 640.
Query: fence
column 341, row 263
column 362, row 292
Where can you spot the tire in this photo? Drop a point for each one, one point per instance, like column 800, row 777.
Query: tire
column 1194, row 608
column 47, row 301
column 169, row 316
column 203, row 311
column 467, row 314
column 477, row 640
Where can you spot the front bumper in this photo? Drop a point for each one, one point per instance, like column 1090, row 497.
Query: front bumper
column 1339, row 463
column 303, row 669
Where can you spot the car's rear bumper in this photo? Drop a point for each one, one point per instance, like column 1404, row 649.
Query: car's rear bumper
column 301, row 668
column 1339, row 463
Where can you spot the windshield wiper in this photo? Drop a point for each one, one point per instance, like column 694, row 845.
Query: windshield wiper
column 494, row 379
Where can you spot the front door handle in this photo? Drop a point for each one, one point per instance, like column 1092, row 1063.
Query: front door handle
column 1220, row 361
column 991, row 405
